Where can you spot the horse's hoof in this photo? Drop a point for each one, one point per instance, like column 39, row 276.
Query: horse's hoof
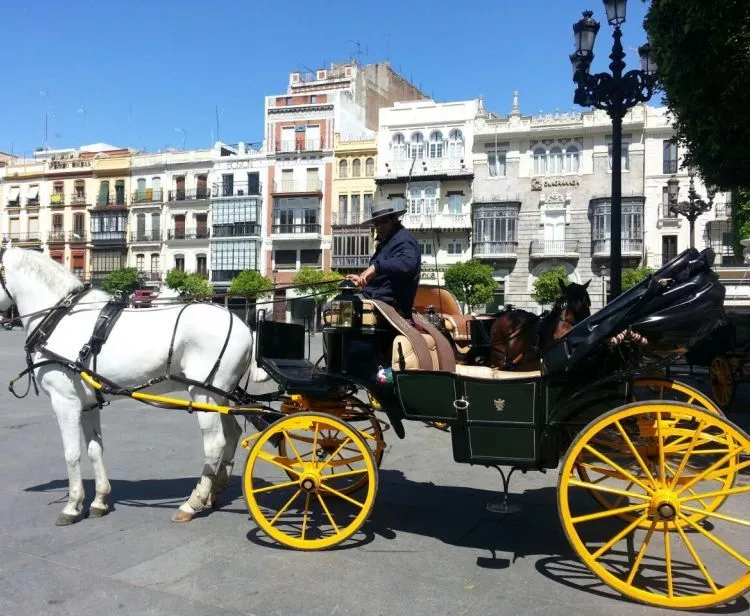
column 182, row 516
column 65, row 519
column 97, row 512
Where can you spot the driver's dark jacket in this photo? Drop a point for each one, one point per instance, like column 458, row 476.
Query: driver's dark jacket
column 397, row 260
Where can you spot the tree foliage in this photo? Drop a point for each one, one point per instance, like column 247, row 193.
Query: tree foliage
column 546, row 288
column 124, row 280
column 740, row 217
column 702, row 50
column 192, row 286
column 175, row 278
column 631, row 277
column 311, row 281
column 250, row 284
column 471, row 282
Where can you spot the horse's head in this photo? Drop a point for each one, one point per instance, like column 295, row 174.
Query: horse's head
column 575, row 300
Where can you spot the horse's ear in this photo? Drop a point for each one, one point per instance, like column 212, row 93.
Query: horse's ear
column 588, row 282
column 561, row 282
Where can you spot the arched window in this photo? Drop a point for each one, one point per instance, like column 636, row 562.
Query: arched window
column 555, row 161
column 430, row 200
column 571, row 159
column 370, row 167
column 356, row 168
column 140, row 262
column 343, row 169
column 456, row 144
column 179, row 262
column 436, row 144
column 417, row 145
column 540, row 161
column 398, row 146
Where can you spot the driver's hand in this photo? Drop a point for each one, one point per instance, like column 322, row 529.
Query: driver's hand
column 366, row 276
column 354, row 278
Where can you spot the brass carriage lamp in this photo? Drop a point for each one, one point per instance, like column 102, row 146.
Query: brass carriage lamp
column 346, row 308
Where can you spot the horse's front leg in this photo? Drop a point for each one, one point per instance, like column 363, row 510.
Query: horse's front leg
column 213, row 450
column 92, row 434
column 68, row 412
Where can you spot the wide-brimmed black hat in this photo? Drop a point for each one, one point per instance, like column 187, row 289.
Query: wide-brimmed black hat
column 381, row 209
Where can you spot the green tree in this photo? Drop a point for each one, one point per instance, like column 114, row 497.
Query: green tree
column 322, row 285
column 124, row 280
column 192, row 286
column 546, row 288
column 250, row 284
column 631, row 277
column 471, row 282
column 175, row 279
column 740, row 218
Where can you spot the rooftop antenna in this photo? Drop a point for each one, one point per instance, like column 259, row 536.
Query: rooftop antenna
column 387, row 50
column 357, row 55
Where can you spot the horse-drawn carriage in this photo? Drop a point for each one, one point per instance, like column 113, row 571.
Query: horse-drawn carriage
column 649, row 490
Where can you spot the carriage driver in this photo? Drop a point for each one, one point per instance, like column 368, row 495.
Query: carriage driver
column 393, row 274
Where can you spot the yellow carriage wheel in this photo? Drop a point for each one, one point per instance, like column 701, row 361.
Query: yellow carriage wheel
column 307, row 512
column 590, row 469
column 329, row 442
column 721, row 377
column 662, row 556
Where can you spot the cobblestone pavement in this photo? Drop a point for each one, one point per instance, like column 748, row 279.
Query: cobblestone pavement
column 430, row 546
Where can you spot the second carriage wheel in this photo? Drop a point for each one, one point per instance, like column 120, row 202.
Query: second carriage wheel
column 308, row 512
column 662, row 556
column 722, row 380
column 590, row 469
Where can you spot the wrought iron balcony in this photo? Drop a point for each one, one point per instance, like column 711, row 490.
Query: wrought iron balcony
column 23, row 238
column 237, row 189
column 554, row 248
column 147, row 195
column 297, row 186
column 150, row 275
column 146, row 236
column 722, row 211
column 299, row 145
column 111, row 237
column 57, row 236
column 629, row 247
column 77, row 236
column 78, row 199
column 437, row 221
column 116, row 199
column 295, row 228
column 32, row 203
column 237, row 229
column 443, row 166
column 196, row 194
column 495, row 249
column 188, row 234
column 350, row 261
column 349, row 218
column 57, row 200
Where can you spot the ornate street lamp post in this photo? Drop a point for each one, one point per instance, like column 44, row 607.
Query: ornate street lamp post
column 694, row 206
column 614, row 93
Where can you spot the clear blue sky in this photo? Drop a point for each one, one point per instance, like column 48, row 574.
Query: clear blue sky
column 149, row 73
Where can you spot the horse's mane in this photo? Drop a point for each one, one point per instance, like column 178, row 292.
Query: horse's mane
column 36, row 265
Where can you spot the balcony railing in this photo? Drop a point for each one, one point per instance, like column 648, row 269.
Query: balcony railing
column 297, row 186
column 553, row 248
column 57, row 200
column 188, row 234
column 351, row 261
column 670, row 166
column 147, row 195
column 78, row 199
column 108, row 236
column 449, row 165
column 723, row 211
column 242, row 229
column 350, row 218
column 629, row 247
column 437, row 221
column 196, row 194
column 150, row 276
column 115, row 199
column 32, row 203
column 237, row 189
column 146, row 236
column 77, row 236
column 33, row 237
column 296, row 228
column 494, row 249
column 299, row 145
column 57, row 235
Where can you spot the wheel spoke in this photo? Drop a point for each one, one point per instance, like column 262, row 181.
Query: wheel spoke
column 637, row 456
column 291, row 444
column 304, row 515
column 709, row 470
column 608, row 512
column 685, row 457
column 271, row 459
column 315, row 443
column 668, row 559
column 607, row 546
column 716, row 540
column 333, row 455
column 727, row 492
column 720, row 516
column 697, row 560
column 277, row 486
column 626, row 474
column 361, row 471
column 342, row 495
column 592, row 486
column 328, row 513
column 660, row 443
column 641, row 553
column 285, row 507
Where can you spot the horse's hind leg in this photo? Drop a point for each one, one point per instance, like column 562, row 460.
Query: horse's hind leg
column 232, row 434
column 214, row 444
column 68, row 412
column 92, row 434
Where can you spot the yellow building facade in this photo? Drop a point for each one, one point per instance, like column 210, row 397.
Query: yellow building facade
column 353, row 195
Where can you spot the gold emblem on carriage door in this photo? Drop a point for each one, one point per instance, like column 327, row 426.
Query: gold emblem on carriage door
column 499, row 405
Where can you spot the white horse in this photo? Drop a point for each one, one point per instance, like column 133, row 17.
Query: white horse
column 135, row 352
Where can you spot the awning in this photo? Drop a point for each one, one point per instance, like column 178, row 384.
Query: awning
column 33, row 192
column 13, row 195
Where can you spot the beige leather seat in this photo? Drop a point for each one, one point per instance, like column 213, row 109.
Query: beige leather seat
column 485, row 372
column 403, row 347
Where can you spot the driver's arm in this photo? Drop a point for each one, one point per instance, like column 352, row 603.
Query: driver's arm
column 402, row 264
